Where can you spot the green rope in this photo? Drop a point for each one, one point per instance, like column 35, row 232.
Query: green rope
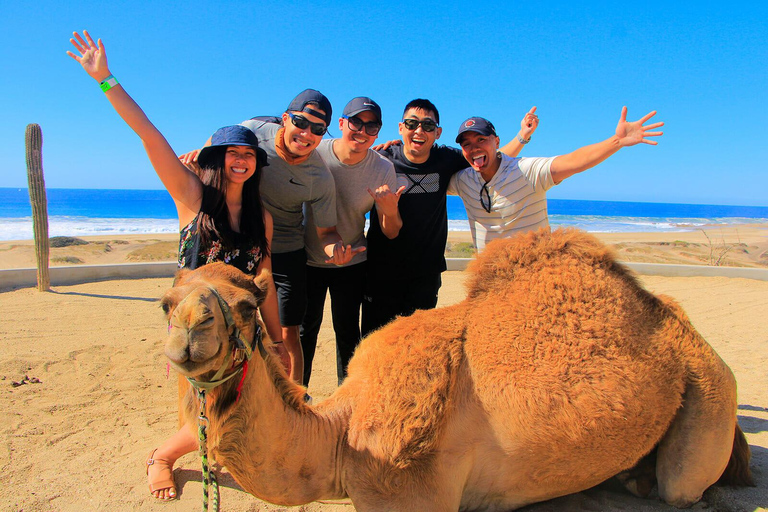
column 209, row 477
column 243, row 351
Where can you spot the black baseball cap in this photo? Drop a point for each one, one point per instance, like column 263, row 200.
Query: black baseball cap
column 476, row 124
column 362, row 104
column 302, row 103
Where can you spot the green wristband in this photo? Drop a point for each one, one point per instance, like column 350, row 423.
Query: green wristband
column 108, row 83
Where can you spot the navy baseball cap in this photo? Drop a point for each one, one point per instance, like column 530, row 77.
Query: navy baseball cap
column 476, row 124
column 362, row 104
column 302, row 103
column 236, row 135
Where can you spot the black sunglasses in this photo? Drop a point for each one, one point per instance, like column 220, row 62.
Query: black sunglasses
column 301, row 122
column 427, row 125
column 485, row 198
column 356, row 124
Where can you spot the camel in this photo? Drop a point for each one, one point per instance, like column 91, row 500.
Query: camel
column 558, row 371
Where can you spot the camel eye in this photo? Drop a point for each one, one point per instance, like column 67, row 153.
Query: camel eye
column 247, row 312
column 166, row 307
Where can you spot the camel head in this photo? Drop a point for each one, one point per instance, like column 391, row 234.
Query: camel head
column 199, row 338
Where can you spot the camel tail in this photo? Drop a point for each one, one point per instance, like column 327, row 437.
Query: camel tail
column 737, row 471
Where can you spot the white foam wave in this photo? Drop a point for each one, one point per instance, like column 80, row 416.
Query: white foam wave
column 20, row 228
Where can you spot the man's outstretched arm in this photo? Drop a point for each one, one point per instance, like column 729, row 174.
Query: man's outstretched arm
column 627, row 134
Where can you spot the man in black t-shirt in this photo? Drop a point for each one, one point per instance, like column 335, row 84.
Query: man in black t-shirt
column 404, row 272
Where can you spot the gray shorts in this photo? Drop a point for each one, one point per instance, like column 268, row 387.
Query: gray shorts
column 289, row 270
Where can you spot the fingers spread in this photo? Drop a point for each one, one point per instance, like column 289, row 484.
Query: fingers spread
column 647, row 116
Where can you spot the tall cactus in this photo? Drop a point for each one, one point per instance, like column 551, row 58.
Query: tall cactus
column 34, row 144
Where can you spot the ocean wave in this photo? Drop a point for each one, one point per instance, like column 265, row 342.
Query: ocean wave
column 20, row 228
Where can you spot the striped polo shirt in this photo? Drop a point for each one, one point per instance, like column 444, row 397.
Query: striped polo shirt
column 518, row 198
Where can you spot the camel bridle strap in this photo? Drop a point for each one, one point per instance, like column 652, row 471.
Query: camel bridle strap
column 237, row 358
column 242, row 352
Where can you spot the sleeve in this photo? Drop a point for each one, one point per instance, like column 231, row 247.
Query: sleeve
column 536, row 170
column 259, row 128
column 390, row 176
column 453, row 185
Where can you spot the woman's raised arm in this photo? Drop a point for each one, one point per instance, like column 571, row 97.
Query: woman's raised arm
column 183, row 185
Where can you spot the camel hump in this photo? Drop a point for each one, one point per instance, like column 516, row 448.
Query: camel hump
column 505, row 259
column 737, row 471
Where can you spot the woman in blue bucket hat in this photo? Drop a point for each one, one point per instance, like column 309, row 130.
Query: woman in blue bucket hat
column 221, row 218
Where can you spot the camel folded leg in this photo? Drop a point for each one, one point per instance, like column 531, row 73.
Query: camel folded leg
column 695, row 450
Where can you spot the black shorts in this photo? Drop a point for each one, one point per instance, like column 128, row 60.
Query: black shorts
column 289, row 270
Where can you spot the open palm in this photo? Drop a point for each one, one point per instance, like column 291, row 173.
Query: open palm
column 631, row 133
column 92, row 56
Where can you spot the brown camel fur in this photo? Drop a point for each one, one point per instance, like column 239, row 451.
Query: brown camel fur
column 556, row 373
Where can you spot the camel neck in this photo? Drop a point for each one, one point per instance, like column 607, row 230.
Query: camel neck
column 270, row 441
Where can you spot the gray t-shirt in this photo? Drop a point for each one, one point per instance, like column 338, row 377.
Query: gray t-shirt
column 285, row 188
column 352, row 200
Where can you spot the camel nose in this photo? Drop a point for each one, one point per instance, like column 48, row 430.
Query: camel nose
column 191, row 316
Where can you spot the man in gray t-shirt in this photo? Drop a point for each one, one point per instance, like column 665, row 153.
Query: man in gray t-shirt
column 363, row 178
column 296, row 175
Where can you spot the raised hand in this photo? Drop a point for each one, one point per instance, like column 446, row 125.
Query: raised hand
column 92, row 56
column 529, row 124
column 386, row 200
column 633, row 133
column 190, row 160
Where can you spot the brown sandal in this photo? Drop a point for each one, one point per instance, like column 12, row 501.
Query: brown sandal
column 165, row 477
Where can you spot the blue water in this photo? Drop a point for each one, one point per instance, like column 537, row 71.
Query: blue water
column 80, row 212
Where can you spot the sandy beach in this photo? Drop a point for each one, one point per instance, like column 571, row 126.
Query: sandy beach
column 77, row 439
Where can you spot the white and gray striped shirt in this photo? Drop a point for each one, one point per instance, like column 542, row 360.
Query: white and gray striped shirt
column 518, row 198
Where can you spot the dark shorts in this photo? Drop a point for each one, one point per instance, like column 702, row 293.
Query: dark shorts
column 383, row 301
column 289, row 270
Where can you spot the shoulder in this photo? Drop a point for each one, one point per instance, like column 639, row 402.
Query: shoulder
column 393, row 152
column 262, row 129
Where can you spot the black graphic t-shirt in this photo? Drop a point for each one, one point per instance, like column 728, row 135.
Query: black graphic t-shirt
column 420, row 246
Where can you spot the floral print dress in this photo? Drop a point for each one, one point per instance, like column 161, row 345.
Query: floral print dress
column 242, row 253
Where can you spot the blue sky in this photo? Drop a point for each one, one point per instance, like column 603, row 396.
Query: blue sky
column 196, row 66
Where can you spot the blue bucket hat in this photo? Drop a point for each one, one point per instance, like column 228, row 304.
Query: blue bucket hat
column 308, row 97
column 236, row 135
column 476, row 124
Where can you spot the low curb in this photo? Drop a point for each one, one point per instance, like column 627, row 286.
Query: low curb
column 63, row 276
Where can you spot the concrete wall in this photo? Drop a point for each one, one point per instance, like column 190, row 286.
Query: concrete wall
column 61, row 276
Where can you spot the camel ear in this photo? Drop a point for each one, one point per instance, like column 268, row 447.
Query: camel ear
column 180, row 275
column 262, row 282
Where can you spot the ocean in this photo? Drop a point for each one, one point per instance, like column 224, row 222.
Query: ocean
column 84, row 212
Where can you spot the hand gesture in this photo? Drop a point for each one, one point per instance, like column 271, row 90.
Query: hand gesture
column 343, row 254
column 529, row 124
column 92, row 56
column 386, row 200
column 633, row 133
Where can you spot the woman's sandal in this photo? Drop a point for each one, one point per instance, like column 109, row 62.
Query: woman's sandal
column 165, row 477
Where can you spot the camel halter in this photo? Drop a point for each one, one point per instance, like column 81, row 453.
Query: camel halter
column 239, row 358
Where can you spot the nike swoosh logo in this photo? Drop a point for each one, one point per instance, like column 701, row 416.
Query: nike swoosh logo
column 296, row 182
